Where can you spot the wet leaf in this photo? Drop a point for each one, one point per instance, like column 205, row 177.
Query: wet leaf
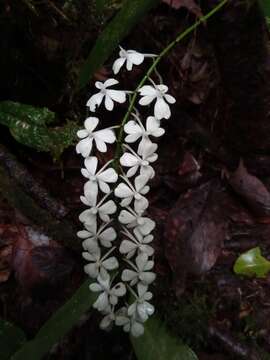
column 252, row 263
column 158, row 344
column 130, row 14
column 58, row 325
column 11, row 338
column 28, row 125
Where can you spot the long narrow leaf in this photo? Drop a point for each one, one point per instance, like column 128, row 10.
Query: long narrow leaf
column 11, row 338
column 158, row 344
column 130, row 14
column 58, row 325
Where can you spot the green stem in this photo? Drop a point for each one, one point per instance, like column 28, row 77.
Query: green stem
column 151, row 69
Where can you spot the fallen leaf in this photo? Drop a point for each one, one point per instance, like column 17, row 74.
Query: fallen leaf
column 252, row 263
column 251, row 189
column 195, row 230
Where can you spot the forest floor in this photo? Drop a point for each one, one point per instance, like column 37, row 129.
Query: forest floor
column 203, row 225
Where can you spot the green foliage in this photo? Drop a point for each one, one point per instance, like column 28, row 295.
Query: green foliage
column 11, row 338
column 130, row 14
column 30, row 126
column 252, row 263
column 265, row 5
column 158, row 344
column 58, row 325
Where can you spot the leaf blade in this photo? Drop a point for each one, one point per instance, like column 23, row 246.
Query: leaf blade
column 58, row 325
column 169, row 347
column 252, row 263
column 11, row 338
column 130, row 13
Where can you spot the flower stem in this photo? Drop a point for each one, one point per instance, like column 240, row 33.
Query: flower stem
column 181, row 36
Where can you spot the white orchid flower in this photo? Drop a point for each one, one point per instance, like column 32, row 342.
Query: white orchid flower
column 131, row 219
column 140, row 271
column 110, row 95
column 103, row 210
column 92, row 237
column 129, row 323
column 109, row 295
column 98, row 179
column 99, row 265
column 136, row 243
column 141, row 307
column 159, row 93
column 130, row 57
column 128, row 192
column 88, row 135
column 136, row 130
column 134, row 161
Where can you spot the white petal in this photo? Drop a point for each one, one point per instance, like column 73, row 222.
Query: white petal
column 137, row 329
column 117, row 95
column 163, row 88
column 132, row 171
column 83, row 234
column 141, row 204
column 91, row 191
column 102, row 302
column 110, row 263
column 119, row 289
column 132, row 127
column 109, row 175
column 141, row 261
column 91, row 123
column 146, row 100
column 148, row 90
column 106, row 322
column 149, row 149
column 104, row 187
column 118, row 64
column 162, row 109
column 110, row 82
column 127, row 246
column 126, row 217
column 170, row 99
column 91, row 270
column 84, row 147
column 123, row 191
column 106, row 135
column 126, row 201
column 95, row 101
column 108, row 208
column 147, row 227
column 147, row 277
column 140, row 182
column 87, row 217
column 145, row 310
column 101, row 145
column 95, row 287
column 90, row 245
column 82, row 133
column 108, row 235
column 129, row 65
column 129, row 275
column 108, row 102
column 153, row 126
column 128, row 159
column 135, row 57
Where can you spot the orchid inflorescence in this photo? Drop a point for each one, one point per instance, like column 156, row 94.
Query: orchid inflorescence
column 116, row 201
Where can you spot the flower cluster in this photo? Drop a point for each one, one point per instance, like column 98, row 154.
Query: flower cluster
column 117, row 232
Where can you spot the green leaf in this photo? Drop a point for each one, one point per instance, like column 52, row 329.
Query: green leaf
column 58, row 325
column 28, row 125
column 11, row 338
column 130, row 14
column 265, row 5
column 252, row 263
column 158, row 344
